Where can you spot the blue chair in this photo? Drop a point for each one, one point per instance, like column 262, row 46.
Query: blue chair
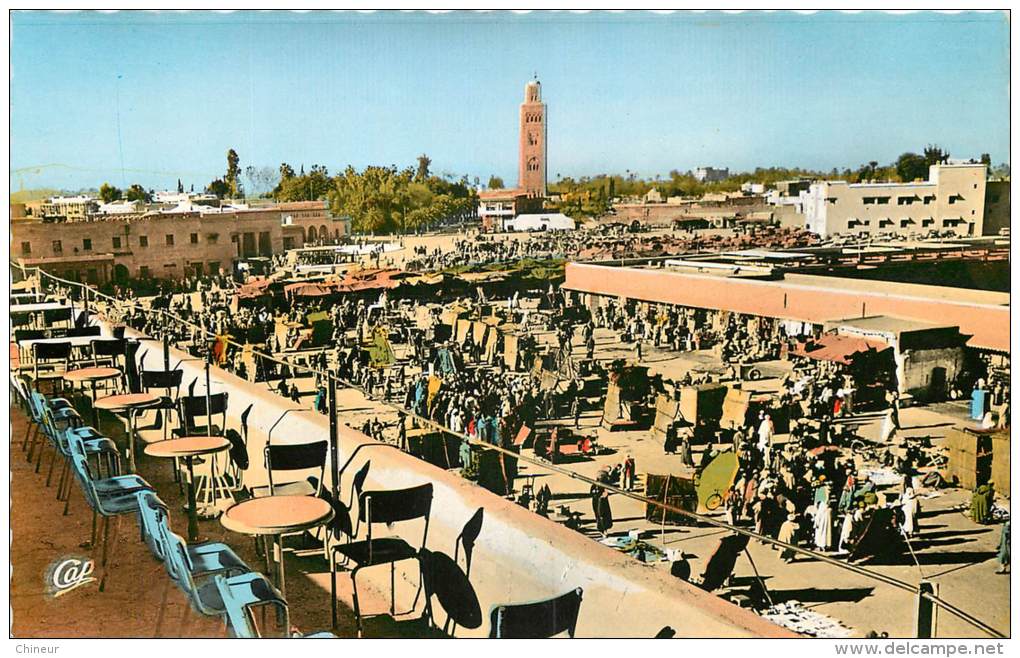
column 109, row 498
column 44, row 412
column 193, row 569
column 93, row 444
column 238, row 602
column 57, row 416
column 205, row 558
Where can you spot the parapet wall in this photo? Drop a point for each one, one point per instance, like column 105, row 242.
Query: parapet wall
column 987, row 324
column 519, row 556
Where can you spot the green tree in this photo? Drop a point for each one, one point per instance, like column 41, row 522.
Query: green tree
column 933, row 154
column 233, row 172
column 911, row 166
column 495, row 182
column 137, row 193
column 422, row 173
column 986, row 160
column 180, row 186
column 218, row 187
column 108, row 193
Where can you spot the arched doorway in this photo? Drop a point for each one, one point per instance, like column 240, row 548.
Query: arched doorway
column 312, row 235
column 324, row 233
column 121, row 273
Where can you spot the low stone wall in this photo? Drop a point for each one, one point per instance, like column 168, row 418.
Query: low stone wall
column 519, row 556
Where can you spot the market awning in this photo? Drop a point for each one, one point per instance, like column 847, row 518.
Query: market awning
column 307, row 290
column 838, row 348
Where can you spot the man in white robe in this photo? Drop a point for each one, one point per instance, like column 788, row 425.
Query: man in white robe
column 909, row 507
column 823, row 526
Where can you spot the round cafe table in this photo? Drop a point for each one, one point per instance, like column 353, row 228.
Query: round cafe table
column 275, row 516
column 130, row 404
column 187, row 448
column 91, row 376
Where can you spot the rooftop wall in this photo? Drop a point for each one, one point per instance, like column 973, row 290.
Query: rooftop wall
column 519, row 556
column 988, row 324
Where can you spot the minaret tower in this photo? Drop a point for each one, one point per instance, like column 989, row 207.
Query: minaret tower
column 531, row 167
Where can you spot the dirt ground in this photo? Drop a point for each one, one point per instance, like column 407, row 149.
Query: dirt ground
column 41, row 535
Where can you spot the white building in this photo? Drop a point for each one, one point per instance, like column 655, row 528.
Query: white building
column 539, row 222
column 951, row 200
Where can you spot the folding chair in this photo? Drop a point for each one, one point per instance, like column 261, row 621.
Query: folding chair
column 538, row 620
column 383, row 507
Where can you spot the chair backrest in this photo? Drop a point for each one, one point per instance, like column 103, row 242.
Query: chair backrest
column 80, row 467
column 538, row 620
column 79, row 332
column 238, row 611
column 193, row 406
column 244, row 422
column 108, row 347
column 468, row 536
column 165, row 379
column 154, row 521
column 178, row 562
column 51, row 351
column 57, row 315
column 28, row 334
column 238, row 449
column 395, row 505
column 237, row 618
column 295, row 457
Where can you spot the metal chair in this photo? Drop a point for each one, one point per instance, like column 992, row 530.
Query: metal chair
column 50, row 362
column 192, row 410
column 383, row 507
column 169, row 381
column 53, row 316
column 537, row 620
column 108, row 498
column 106, row 351
column 290, row 457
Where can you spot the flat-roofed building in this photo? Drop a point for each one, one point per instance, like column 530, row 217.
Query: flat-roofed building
column 497, row 206
column 951, row 200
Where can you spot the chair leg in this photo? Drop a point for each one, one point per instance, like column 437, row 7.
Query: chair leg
column 28, row 431
column 107, row 549
column 393, row 589
column 49, row 473
column 67, row 503
column 357, row 608
column 38, row 457
column 332, row 589
column 35, row 440
column 62, row 482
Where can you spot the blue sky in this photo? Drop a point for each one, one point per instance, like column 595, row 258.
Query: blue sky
column 638, row 91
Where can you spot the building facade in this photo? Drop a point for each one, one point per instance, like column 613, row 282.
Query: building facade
column 151, row 245
column 951, row 200
column 531, row 164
